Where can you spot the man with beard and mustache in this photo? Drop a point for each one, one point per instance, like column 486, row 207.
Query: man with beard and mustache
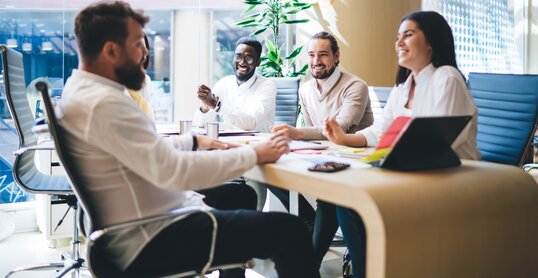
column 130, row 172
column 332, row 94
column 245, row 100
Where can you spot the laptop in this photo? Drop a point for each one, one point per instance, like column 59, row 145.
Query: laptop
column 425, row 143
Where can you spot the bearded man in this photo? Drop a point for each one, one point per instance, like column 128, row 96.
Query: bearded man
column 332, row 94
column 245, row 100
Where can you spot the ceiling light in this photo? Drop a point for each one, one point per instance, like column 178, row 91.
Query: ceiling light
column 11, row 43
column 46, row 46
column 27, row 46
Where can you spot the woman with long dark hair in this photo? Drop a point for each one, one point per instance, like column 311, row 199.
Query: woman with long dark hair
column 428, row 83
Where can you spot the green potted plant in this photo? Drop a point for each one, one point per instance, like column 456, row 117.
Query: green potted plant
column 271, row 15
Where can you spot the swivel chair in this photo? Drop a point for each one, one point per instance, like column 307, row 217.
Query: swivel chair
column 287, row 100
column 507, row 115
column 97, row 258
column 25, row 172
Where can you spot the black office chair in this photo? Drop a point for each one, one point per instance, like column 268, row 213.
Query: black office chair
column 98, row 260
column 507, row 115
column 25, row 172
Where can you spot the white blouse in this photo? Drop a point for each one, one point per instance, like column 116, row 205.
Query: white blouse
column 439, row 92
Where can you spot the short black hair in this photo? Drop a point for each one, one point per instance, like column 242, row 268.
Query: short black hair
column 438, row 34
column 102, row 22
column 327, row 36
column 251, row 41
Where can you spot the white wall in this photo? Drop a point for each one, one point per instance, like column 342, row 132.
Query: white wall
column 191, row 59
column 532, row 52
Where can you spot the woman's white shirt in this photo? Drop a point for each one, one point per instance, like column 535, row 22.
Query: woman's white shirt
column 439, row 91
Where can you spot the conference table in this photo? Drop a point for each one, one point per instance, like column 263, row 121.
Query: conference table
column 476, row 220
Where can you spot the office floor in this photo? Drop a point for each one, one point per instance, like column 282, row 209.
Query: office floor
column 30, row 248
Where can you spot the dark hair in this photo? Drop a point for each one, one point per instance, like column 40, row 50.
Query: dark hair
column 438, row 34
column 146, row 62
column 251, row 41
column 102, row 22
column 328, row 36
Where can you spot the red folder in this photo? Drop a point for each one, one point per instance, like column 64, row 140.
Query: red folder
column 394, row 132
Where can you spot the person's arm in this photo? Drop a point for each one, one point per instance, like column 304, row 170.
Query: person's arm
column 260, row 109
column 354, row 104
column 334, row 132
column 131, row 139
column 453, row 98
column 209, row 100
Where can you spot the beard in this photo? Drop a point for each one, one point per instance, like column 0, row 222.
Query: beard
column 246, row 76
column 324, row 74
column 131, row 75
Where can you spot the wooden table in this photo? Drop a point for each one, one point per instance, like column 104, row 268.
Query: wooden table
column 476, row 220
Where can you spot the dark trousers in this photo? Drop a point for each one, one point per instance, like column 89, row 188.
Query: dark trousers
column 241, row 235
column 355, row 238
column 324, row 221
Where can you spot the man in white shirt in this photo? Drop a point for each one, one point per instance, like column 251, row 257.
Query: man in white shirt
column 130, row 172
column 245, row 100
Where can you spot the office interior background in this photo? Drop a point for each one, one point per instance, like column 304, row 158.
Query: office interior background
column 193, row 41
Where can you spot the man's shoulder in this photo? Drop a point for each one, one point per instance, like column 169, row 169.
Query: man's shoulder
column 351, row 78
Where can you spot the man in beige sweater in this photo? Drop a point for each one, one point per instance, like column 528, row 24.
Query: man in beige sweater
column 333, row 94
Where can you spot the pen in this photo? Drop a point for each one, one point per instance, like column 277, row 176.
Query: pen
column 314, row 142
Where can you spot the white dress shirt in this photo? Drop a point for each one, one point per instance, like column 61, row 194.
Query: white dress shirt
column 129, row 171
column 249, row 106
column 438, row 92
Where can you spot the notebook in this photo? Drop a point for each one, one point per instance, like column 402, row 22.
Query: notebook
column 306, row 145
column 421, row 143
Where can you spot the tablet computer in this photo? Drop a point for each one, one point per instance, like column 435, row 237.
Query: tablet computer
column 425, row 143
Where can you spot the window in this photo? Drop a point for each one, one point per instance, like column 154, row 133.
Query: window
column 487, row 34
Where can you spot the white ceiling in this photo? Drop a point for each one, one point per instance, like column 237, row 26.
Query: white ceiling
column 138, row 4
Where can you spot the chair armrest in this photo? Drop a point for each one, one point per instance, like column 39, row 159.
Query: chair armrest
column 182, row 212
column 44, row 146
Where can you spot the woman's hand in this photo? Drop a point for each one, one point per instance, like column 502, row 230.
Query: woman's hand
column 334, row 132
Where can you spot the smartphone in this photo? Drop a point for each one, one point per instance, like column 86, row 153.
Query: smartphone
column 329, row 167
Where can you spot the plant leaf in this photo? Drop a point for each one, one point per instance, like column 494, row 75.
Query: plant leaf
column 245, row 22
column 250, row 8
column 295, row 21
column 294, row 53
column 259, row 31
column 253, row 2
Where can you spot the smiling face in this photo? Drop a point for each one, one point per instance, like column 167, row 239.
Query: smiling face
column 413, row 50
column 321, row 59
column 130, row 71
column 245, row 62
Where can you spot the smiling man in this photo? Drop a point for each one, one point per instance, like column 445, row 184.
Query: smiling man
column 332, row 94
column 245, row 100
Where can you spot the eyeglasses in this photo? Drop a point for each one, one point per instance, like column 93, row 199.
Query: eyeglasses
column 248, row 59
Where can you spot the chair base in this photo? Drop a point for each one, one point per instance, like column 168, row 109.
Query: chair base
column 62, row 268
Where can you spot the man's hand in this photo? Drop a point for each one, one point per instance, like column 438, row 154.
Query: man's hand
column 206, row 143
column 333, row 131
column 273, row 149
column 288, row 131
column 209, row 100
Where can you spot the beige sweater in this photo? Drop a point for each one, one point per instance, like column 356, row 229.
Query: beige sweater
column 344, row 97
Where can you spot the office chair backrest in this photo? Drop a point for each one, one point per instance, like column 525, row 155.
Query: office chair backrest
column 507, row 115
column 62, row 148
column 287, row 100
column 24, row 170
column 378, row 99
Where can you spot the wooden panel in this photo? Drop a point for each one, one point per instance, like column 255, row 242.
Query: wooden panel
column 366, row 31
